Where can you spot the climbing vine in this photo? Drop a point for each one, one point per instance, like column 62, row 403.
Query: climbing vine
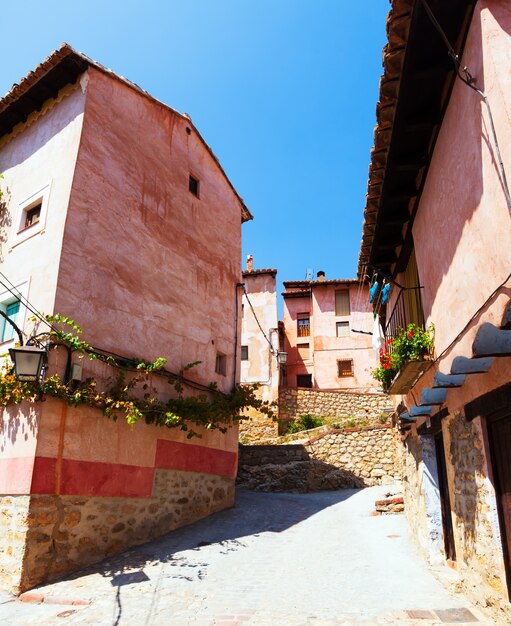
column 132, row 394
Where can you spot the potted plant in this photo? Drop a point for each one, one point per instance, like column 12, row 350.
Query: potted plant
column 404, row 358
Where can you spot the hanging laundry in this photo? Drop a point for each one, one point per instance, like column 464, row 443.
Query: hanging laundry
column 378, row 340
column 373, row 290
column 385, row 293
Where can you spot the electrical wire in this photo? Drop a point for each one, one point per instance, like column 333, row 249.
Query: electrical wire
column 469, row 80
column 272, row 349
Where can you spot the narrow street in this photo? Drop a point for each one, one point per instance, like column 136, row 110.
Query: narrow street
column 275, row 559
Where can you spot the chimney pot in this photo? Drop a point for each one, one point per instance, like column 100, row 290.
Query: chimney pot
column 250, row 262
column 321, row 276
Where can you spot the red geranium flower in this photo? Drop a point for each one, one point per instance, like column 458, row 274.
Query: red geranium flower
column 409, row 335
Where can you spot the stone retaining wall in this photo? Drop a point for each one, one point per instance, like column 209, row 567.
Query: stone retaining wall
column 45, row 537
column 333, row 404
column 333, row 460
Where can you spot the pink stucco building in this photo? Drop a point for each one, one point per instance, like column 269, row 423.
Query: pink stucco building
column 117, row 214
column 321, row 320
column 438, row 223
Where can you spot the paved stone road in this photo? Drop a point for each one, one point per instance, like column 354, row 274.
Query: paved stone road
column 275, row 559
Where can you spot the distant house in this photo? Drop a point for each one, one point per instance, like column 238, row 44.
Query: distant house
column 322, row 324
column 437, row 225
column 118, row 215
column 259, row 346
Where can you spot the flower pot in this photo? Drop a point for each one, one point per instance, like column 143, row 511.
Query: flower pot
column 407, row 376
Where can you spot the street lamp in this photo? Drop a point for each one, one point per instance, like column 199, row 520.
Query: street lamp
column 29, row 363
column 282, row 358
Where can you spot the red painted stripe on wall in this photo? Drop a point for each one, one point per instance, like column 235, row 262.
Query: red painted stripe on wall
column 16, row 475
column 191, row 458
column 43, row 478
column 86, row 478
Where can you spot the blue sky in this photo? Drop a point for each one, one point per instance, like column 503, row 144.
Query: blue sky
column 284, row 91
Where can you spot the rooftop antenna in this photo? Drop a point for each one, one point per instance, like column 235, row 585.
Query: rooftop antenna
column 308, row 273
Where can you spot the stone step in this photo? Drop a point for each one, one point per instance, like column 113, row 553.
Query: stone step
column 417, row 411
column 464, row 365
column 492, row 341
column 434, row 396
column 448, row 381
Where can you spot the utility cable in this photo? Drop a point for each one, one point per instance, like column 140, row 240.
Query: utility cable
column 469, row 80
column 272, row 349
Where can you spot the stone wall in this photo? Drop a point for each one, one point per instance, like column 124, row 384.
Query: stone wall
column 335, row 405
column 257, row 427
column 46, row 537
column 474, row 511
column 333, row 460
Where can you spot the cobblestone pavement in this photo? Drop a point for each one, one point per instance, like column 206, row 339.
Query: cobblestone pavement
column 274, row 560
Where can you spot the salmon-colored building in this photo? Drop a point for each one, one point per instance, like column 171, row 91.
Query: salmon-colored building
column 327, row 325
column 437, row 224
column 117, row 214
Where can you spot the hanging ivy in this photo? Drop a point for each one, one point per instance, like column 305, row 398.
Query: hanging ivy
column 132, row 396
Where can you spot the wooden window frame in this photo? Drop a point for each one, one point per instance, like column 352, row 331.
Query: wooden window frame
column 344, row 372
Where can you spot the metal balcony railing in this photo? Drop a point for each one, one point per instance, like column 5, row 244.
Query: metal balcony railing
column 407, row 310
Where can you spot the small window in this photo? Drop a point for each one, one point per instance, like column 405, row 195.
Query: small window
column 31, row 216
column 342, row 302
column 11, row 310
column 303, row 324
column 342, row 329
column 221, row 364
column 304, row 380
column 244, row 353
column 303, row 351
column 194, row 185
column 345, row 368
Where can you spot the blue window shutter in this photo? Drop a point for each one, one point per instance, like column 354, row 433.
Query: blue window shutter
column 11, row 311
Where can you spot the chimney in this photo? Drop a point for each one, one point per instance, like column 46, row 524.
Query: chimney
column 250, row 262
column 321, row 276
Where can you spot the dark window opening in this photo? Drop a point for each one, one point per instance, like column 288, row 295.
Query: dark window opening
column 194, row 185
column 244, row 353
column 345, row 368
column 304, row 380
column 221, row 364
column 31, row 216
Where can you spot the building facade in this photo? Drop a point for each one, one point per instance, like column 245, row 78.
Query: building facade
column 259, row 347
column 327, row 326
column 437, row 225
column 117, row 214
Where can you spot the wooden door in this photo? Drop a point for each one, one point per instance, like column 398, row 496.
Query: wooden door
column 499, row 434
column 445, row 502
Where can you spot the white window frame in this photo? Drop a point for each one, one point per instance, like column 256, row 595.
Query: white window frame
column 6, row 298
column 20, row 234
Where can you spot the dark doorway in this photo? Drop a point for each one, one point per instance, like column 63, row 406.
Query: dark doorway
column 499, row 436
column 445, row 503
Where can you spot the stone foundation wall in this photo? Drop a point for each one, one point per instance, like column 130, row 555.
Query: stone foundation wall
column 60, row 534
column 336, row 459
column 473, row 505
column 336, row 405
column 257, row 428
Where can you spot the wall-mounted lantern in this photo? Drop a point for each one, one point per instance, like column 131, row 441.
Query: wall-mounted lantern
column 29, row 363
column 282, row 358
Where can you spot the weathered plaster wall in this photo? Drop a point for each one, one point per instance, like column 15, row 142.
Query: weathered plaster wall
column 462, row 262
column 39, row 154
column 296, row 364
column 261, row 366
column 333, row 460
column 166, row 263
